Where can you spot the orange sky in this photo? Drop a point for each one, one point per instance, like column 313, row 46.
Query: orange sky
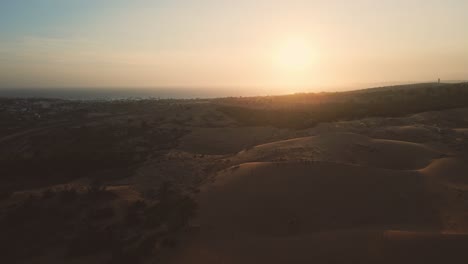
column 290, row 45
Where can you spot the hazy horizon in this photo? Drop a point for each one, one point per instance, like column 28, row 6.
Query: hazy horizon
column 111, row 93
column 276, row 47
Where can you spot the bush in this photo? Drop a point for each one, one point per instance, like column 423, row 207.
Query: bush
column 169, row 242
column 101, row 213
column 55, row 219
column 46, row 194
column 5, row 195
column 98, row 191
column 68, row 194
column 174, row 209
column 93, row 241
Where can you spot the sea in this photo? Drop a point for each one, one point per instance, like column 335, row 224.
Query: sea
column 130, row 93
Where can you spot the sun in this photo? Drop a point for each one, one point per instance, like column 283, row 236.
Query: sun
column 294, row 55
column 294, row 62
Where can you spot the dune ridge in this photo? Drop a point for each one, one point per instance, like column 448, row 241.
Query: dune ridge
column 364, row 191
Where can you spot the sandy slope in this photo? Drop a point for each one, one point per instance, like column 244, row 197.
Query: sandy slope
column 230, row 140
column 361, row 246
column 366, row 191
column 348, row 148
column 449, row 170
column 448, row 179
column 318, row 213
column 462, row 131
column 264, row 198
column 411, row 133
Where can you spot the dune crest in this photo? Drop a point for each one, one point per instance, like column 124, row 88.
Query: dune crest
column 346, row 148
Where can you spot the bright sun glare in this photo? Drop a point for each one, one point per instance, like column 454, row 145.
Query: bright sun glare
column 294, row 61
column 294, row 55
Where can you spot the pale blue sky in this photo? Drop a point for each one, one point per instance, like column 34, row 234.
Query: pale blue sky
column 230, row 43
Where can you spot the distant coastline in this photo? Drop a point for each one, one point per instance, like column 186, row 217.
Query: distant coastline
column 110, row 93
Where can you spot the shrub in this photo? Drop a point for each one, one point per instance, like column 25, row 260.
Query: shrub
column 101, row 213
column 46, row 194
column 68, row 194
column 92, row 241
column 5, row 195
column 98, row 191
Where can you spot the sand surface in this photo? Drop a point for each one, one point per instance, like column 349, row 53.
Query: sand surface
column 368, row 191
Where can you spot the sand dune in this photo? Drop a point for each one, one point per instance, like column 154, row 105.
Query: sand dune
column 449, row 118
column 327, row 247
column 411, row 133
column 335, row 214
column 450, row 170
column 462, row 131
column 425, row 247
column 257, row 198
column 364, row 191
column 347, row 148
column 230, row 140
column 348, row 246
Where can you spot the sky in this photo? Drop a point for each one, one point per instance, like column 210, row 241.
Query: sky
column 290, row 46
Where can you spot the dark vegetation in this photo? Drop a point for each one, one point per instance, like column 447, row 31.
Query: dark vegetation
column 45, row 142
column 81, row 150
column 76, row 223
column 307, row 110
